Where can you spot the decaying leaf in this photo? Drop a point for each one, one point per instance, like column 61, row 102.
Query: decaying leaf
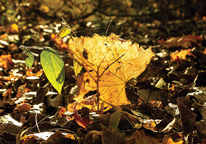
column 139, row 137
column 187, row 117
column 81, row 120
column 111, row 136
column 110, row 62
column 23, row 107
column 184, row 41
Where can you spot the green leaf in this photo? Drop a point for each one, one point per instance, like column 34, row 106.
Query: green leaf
column 115, row 118
column 53, row 67
column 30, row 60
column 77, row 67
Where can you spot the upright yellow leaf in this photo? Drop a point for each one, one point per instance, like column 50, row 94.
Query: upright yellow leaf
column 63, row 32
column 77, row 67
column 110, row 63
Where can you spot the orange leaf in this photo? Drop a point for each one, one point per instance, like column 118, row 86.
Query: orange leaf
column 44, row 8
column 62, row 112
column 12, row 47
column 30, row 73
column 169, row 140
column 14, row 28
column 53, row 36
column 63, row 46
column 4, row 36
column 204, row 51
column 181, row 55
column 110, row 62
column 6, row 61
column 28, row 139
column 70, row 136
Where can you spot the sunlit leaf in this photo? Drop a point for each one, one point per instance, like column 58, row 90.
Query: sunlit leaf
column 77, row 67
column 14, row 28
column 67, row 27
column 181, row 55
column 110, row 62
column 62, row 112
column 63, row 32
column 30, row 60
column 53, row 67
column 169, row 140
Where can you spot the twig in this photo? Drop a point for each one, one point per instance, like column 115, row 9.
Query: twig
column 37, row 123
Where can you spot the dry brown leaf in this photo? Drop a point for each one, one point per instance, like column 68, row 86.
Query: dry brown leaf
column 139, row 137
column 169, row 140
column 22, row 107
column 110, row 62
column 21, row 90
column 184, row 41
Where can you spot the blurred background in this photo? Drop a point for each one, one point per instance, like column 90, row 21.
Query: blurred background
column 143, row 22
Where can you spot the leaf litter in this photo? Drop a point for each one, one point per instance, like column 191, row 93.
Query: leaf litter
column 176, row 116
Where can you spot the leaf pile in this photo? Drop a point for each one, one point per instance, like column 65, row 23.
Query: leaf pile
column 146, row 95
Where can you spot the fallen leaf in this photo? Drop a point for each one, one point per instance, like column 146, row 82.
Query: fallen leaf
column 62, row 112
column 184, row 41
column 111, row 136
column 21, row 90
column 44, row 8
column 28, row 139
column 13, row 47
column 6, row 61
column 186, row 115
column 175, row 56
column 81, row 121
column 110, row 62
column 7, row 94
column 14, row 28
column 23, row 107
column 169, row 140
column 139, row 137
column 29, row 73
column 70, row 136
